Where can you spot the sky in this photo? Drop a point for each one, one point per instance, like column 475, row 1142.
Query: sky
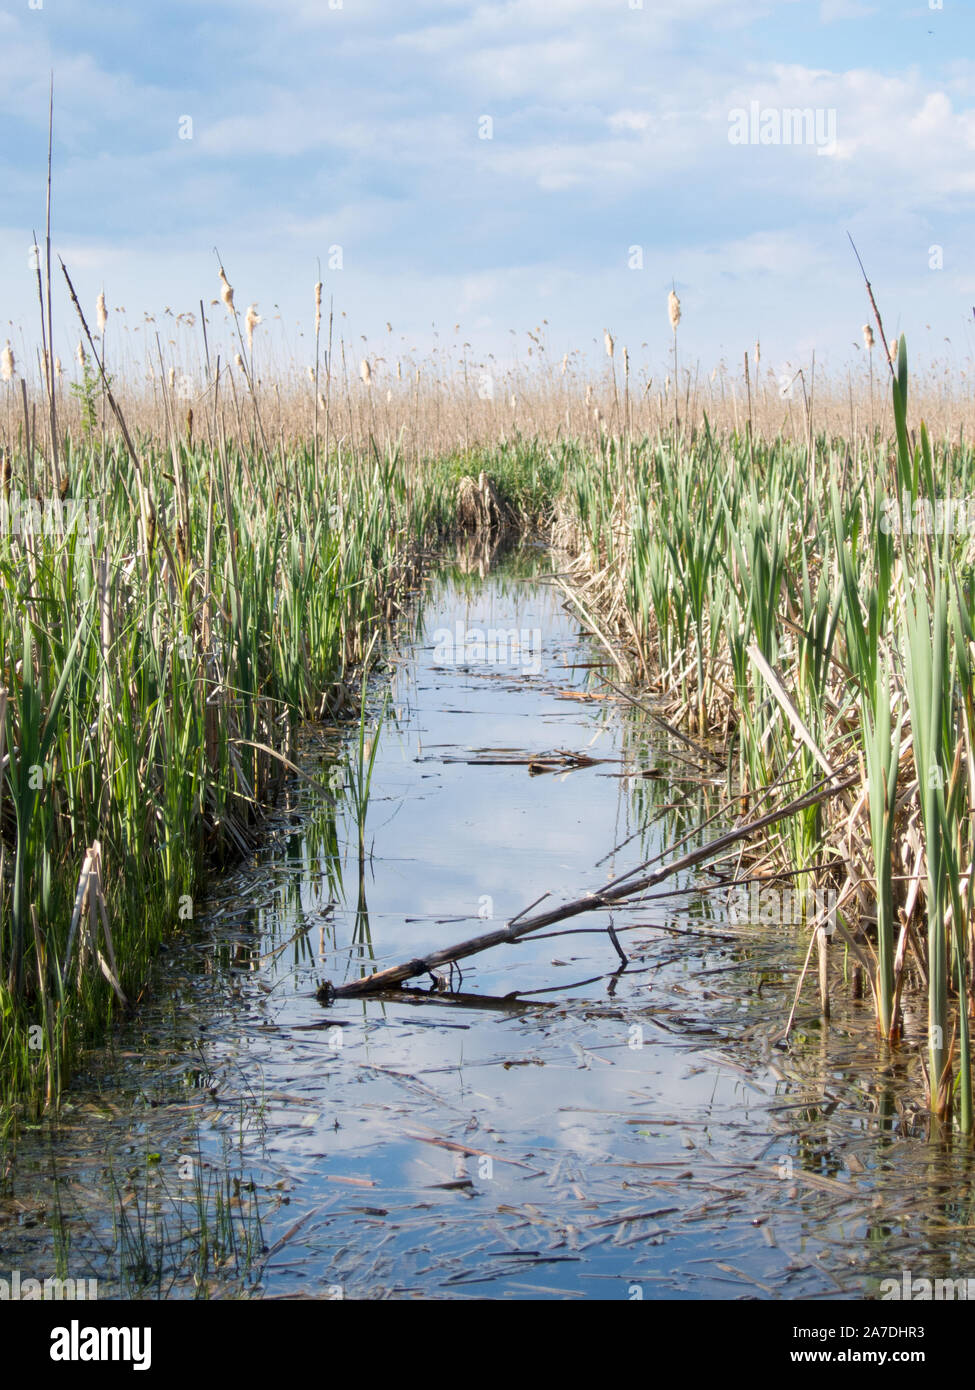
column 473, row 172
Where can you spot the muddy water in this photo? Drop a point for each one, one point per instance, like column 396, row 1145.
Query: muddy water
column 554, row 1127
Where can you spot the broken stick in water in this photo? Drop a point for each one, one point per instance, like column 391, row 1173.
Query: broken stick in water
column 618, row 890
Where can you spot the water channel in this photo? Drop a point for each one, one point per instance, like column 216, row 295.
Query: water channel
column 550, row 1125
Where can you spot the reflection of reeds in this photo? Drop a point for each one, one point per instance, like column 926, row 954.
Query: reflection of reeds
column 357, row 791
column 203, row 1234
column 360, row 781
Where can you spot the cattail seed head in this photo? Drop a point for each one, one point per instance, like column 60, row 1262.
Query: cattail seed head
column 311, row 374
column 626, row 362
column 758, row 352
column 57, row 367
column 894, row 349
column 318, row 306
column 101, row 313
column 226, row 292
column 365, row 371
column 7, row 363
column 608, row 340
column 80, row 355
column 868, row 337
column 673, row 310
column 239, row 360
column 252, row 320
column 565, row 363
column 172, row 378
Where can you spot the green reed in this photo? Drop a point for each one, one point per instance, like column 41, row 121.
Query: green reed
column 151, row 693
column 779, row 602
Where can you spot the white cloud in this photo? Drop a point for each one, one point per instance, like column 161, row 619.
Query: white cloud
column 319, row 126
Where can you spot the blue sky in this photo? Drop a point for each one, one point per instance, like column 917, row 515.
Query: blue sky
column 359, row 126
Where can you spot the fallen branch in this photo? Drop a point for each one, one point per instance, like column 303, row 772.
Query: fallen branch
column 614, row 892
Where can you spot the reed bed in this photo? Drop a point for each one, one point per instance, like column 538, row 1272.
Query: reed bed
column 452, row 398
column 806, row 608
column 249, row 521
column 170, row 610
